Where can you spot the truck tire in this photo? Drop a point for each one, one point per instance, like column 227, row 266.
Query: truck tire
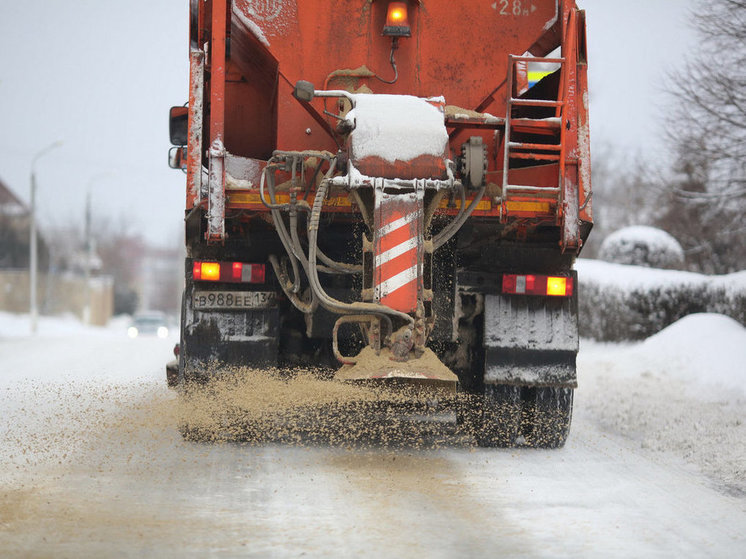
column 500, row 417
column 529, row 341
column 547, row 412
column 535, row 417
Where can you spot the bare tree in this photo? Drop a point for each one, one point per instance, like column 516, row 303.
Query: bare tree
column 624, row 193
column 119, row 252
column 122, row 251
column 706, row 198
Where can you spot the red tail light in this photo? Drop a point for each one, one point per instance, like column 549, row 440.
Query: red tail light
column 555, row 286
column 230, row 272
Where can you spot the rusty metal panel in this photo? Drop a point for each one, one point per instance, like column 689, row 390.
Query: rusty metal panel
column 584, row 141
column 196, row 108
column 216, row 194
column 217, row 70
column 570, row 227
column 216, row 155
column 313, row 38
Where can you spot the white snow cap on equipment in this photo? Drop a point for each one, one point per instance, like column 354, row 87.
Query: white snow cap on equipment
column 397, row 127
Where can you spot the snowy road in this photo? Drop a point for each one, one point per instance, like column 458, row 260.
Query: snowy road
column 92, row 465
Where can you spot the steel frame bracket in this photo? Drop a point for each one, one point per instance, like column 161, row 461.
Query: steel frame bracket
column 216, row 194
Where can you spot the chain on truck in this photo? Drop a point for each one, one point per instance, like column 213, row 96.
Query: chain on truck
column 396, row 188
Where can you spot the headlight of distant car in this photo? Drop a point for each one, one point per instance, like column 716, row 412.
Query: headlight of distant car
column 132, row 332
column 162, row 332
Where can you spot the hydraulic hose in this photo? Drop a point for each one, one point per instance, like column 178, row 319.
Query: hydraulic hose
column 282, row 232
column 291, row 243
column 452, row 228
column 286, row 286
column 295, row 248
column 325, row 300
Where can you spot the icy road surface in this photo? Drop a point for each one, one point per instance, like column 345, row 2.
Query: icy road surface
column 92, row 465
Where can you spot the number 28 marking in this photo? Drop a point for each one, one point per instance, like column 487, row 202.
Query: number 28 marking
column 515, row 8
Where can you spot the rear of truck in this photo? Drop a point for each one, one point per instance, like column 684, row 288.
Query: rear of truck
column 397, row 189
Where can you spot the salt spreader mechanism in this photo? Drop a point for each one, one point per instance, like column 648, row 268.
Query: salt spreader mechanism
column 397, row 188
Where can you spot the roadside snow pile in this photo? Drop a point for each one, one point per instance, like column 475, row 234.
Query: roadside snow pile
column 707, row 349
column 681, row 391
column 19, row 325
column 641, row 245
column 618, row 302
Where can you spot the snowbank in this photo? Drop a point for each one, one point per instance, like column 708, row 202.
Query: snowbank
column 19, row 325
column 65, row 350
column 641, row 245
column 619, row 302
column 66, row 325
column 706, row 348
column 681, row 391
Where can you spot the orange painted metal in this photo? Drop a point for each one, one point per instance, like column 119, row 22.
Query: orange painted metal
column 273, row 44
column 217, row 71
column 313, row 38
column 196, row 108
column 398, row 250
column 583, row 125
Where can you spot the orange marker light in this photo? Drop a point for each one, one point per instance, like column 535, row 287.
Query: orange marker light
column 397, row 14
column 210, row 271
column 397, row 20
column 557, row 286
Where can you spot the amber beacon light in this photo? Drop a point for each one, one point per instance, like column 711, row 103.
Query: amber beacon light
column 397, row 20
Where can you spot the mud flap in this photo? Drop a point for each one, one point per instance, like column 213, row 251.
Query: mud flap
column 211, row 338
column 531, row 341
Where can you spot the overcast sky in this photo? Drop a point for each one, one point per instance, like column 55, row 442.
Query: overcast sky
column 101, row 76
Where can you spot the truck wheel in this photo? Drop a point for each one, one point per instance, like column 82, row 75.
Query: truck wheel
column 500, row 423
column 547, row 413
column 537, row 417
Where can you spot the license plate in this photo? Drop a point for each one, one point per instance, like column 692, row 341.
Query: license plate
column 234, row 299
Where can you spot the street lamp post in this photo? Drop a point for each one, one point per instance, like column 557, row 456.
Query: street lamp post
column 88, row 258
column 89, row 244
column 33, row 257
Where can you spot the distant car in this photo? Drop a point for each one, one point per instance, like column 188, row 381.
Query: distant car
column 172, row 369
column 151, row 323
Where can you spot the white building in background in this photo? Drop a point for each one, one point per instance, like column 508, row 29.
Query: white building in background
column 63, row 286
column 162, row 280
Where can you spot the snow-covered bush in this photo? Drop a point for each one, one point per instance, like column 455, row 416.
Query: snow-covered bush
column 641, row 245
column 618, row 302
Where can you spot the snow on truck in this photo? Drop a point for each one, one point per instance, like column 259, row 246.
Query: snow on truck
column 400, row 188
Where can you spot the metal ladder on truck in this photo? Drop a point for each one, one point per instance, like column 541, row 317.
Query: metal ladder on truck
column 547, row 145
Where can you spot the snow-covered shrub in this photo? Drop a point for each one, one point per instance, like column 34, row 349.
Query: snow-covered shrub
column 641, row 245
column 618, row 302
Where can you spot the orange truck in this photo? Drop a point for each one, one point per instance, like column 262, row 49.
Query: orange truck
column 396, row 189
